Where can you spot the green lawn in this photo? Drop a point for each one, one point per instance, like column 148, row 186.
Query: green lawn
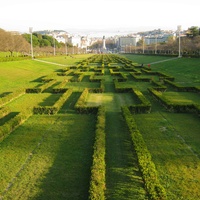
column 50, row 157
column 172, row 140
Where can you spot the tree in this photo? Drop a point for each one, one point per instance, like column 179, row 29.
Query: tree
column 12, row 42
column 193, row 31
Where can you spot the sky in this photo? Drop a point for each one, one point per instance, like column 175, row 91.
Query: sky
column 109, row 16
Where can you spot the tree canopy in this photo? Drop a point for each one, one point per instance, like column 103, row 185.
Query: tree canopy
column 40, row 40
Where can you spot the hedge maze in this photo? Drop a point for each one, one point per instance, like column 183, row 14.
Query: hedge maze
column 106, row 85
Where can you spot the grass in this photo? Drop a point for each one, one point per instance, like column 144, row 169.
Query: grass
column 123, row 178
column 67, row 60
column 56, row 156
column 21, row 74
column 49, row 157
column 182, row 97
column 177, row 164
column 107, row 100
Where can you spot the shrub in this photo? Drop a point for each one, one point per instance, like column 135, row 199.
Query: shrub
column 8, row 98
column 13, row 123
column 4, row 111
column 41, row 88
column 147, row 167
column 51, row 110
column 98, row 169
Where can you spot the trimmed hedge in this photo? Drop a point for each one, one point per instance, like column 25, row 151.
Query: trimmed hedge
column 80, row 104
column 51, row 110
column 174, row 107
column 98, row 169
column 60, row 88
column 4, row 111
column 12, row 124
column 144, row 106
column 182, row 88
column 41, row 88
column 10, row 97
column 138, row 78
column 152, row 185
column 164, row 76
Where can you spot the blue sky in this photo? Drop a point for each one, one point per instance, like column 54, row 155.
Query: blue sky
column 115, row 15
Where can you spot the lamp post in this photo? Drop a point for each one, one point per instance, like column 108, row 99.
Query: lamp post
column 156, row 44
column 54, row 45
column 66, row 44
column 31, row 32
column 179, row 39
column 143, row 44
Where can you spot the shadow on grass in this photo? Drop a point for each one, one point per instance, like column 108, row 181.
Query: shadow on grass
column 8, row 117
column 68, row 106
column 4, row 94
column 50, row 100
column 69, row 176
column 40, row 79
column 123, row 178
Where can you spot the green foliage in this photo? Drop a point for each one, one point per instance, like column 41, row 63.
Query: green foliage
column 4, row 111
column 41, row 40
column 8, row 98
column 12, row 124
column 41, row 88
column 51, row 110
column 98, row 170
column 174, row 107
column 147, row 167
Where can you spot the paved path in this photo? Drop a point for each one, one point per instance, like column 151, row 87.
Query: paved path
column 50, row 62
column 160, row 61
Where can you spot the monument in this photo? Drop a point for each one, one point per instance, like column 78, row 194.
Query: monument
column 104, row 45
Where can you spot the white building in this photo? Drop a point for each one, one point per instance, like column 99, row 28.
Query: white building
column 128, row 41
column 152, row 39
column 75, row 41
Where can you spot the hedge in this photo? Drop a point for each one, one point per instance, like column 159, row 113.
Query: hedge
column 98, row 169
column 59, row 88
column 8, row 98
column 51, row 110
column 42, row 87
column 80, row 104
column 138, row 78
column 182, row 88
column 173, row 107
column 4, row 111
column 144, row 106
column 13, row 123
column 152, row 185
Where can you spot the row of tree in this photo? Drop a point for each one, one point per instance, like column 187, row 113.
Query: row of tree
column 190, row 44
column 44, row 44
column 13, row 42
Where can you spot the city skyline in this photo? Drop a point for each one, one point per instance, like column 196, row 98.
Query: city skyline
column 93, row 16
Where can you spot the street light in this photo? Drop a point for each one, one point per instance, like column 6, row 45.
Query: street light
column 143, row 44
column 54, row 45
column 31, row 32
column 156, row 44
column 179, row 46
column 66, row 43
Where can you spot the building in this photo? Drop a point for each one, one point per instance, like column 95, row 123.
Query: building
column 125, row 41
column 161, row 38
column 75, row 41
